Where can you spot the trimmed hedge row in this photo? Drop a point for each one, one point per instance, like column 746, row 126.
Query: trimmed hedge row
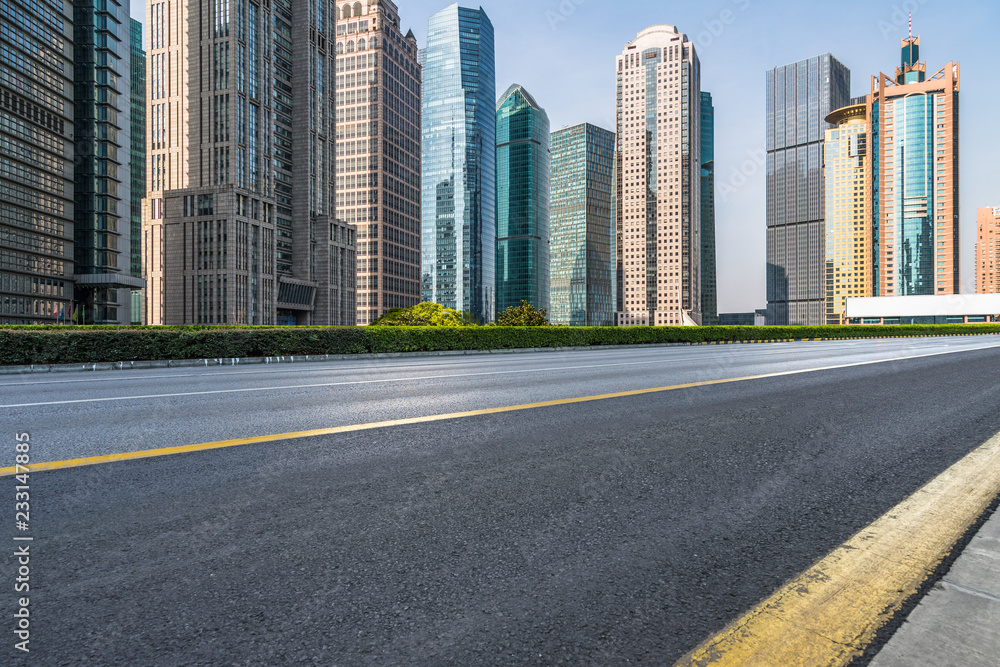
column 62, row 345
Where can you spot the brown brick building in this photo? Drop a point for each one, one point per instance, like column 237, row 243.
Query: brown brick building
column 988, row 251
column 238, row 223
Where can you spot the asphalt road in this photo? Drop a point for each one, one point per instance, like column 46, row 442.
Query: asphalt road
column 623, row 531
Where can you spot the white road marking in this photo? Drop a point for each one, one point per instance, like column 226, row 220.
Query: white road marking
column 465, row 375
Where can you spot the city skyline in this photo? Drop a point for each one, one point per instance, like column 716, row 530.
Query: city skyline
column 864, row 35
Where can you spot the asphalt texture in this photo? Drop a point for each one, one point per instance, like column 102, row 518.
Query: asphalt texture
column 623, row 531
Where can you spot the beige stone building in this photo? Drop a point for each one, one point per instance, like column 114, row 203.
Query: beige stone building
column 239, row 224
column 988, row 250
column 658, row 167
column 848, row 243
column 378, row 152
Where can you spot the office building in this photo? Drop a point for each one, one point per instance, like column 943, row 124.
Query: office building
column 915, row 161
column 988, row 250
column 582, row 229
column 848, row 242
column 459, row 163
column 36, row 163
column 239, row 221
column 709, row 281
column 523, row 199
column 137, row 65
column 658, row 190
column 799, row 98
column 102, row 119
column 378, row 153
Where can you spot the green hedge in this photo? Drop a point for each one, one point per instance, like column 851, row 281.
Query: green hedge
column 62, row 345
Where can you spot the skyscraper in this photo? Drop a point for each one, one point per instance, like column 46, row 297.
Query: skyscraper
column 137, row 65
column 459, row 163
column 582, row 229
column 709, row 282
column 658, row 187
column 799, row 98
column 848, row 241
column 103, row 125
column 988, row 250
column 36, row 163
column 239, row 223
column 523, row 199
column 915, row 136
column 378, row 153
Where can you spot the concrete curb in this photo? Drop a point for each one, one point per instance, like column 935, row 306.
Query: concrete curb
column 255, row 361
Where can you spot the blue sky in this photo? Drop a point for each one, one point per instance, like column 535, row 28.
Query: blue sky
column 563, row 53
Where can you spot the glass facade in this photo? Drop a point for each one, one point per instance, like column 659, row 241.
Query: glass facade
column 799, row 98
column 458, row 161
column 582, row 228
column 913, row 194
column 36, row 168
column 523, row 199
column 709, row 282
column 103, row 108
column 137, row 62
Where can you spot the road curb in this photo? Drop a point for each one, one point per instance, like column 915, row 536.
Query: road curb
column 295, row 359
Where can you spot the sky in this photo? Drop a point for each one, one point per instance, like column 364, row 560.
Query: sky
column 563, row 52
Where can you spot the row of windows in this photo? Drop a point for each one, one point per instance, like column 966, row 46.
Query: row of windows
column 29, row 22
column 21, row 240
column 33, row 135
column 17, row 194
column 45, row 54
column 30, row 154
column 13, row 260
column 13, row 305
column 17, row 81
column 28, row 66
column 33, row 221
column 21, row 284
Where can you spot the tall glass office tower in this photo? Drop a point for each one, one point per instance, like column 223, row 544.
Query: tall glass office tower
column 582, row 228
column 137, row 63
column 799, row 98
column 103, row 109
column 709, row 281
column 459, row 168
column 523, row 172
column 36, row 162
column 915, row 161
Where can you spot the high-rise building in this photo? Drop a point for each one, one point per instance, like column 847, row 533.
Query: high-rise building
column 36, row 162
column 137, row 65
column 378, row 153
column 582, row 230
column 709, row 281
column 988, row 250
column 459, row 163
column 915, row 156
column 523, row 200
column 848, row 242
column 658, row 186
column 238, row 222
column 102, row 120
column 799, row 98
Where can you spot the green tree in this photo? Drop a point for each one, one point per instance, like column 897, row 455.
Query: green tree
column 524, row 315
column 422, row 315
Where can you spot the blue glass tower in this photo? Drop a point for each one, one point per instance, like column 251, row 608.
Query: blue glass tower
column 582, row 227
column 523, row 172
column 459, row 163
column 709, row 283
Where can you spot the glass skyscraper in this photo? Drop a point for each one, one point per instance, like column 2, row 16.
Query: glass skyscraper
column 36, row 162
column 582, row 227
column 799, row 98
column 915, row 163
column 709, row 281
column 137, row 62
column 103, row 109
column 458, row 160
column 523, row 173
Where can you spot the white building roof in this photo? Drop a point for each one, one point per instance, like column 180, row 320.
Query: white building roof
column 955, row 305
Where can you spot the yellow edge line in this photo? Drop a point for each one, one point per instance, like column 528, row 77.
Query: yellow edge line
column 184, row 449
column 830, row 614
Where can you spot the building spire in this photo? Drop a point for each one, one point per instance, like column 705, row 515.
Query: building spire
column 911, row 25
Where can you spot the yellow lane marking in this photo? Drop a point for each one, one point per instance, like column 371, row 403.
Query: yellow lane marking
column 828, row 615
column 185, row 449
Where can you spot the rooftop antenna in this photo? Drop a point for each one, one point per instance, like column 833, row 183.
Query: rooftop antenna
column 911, row 25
